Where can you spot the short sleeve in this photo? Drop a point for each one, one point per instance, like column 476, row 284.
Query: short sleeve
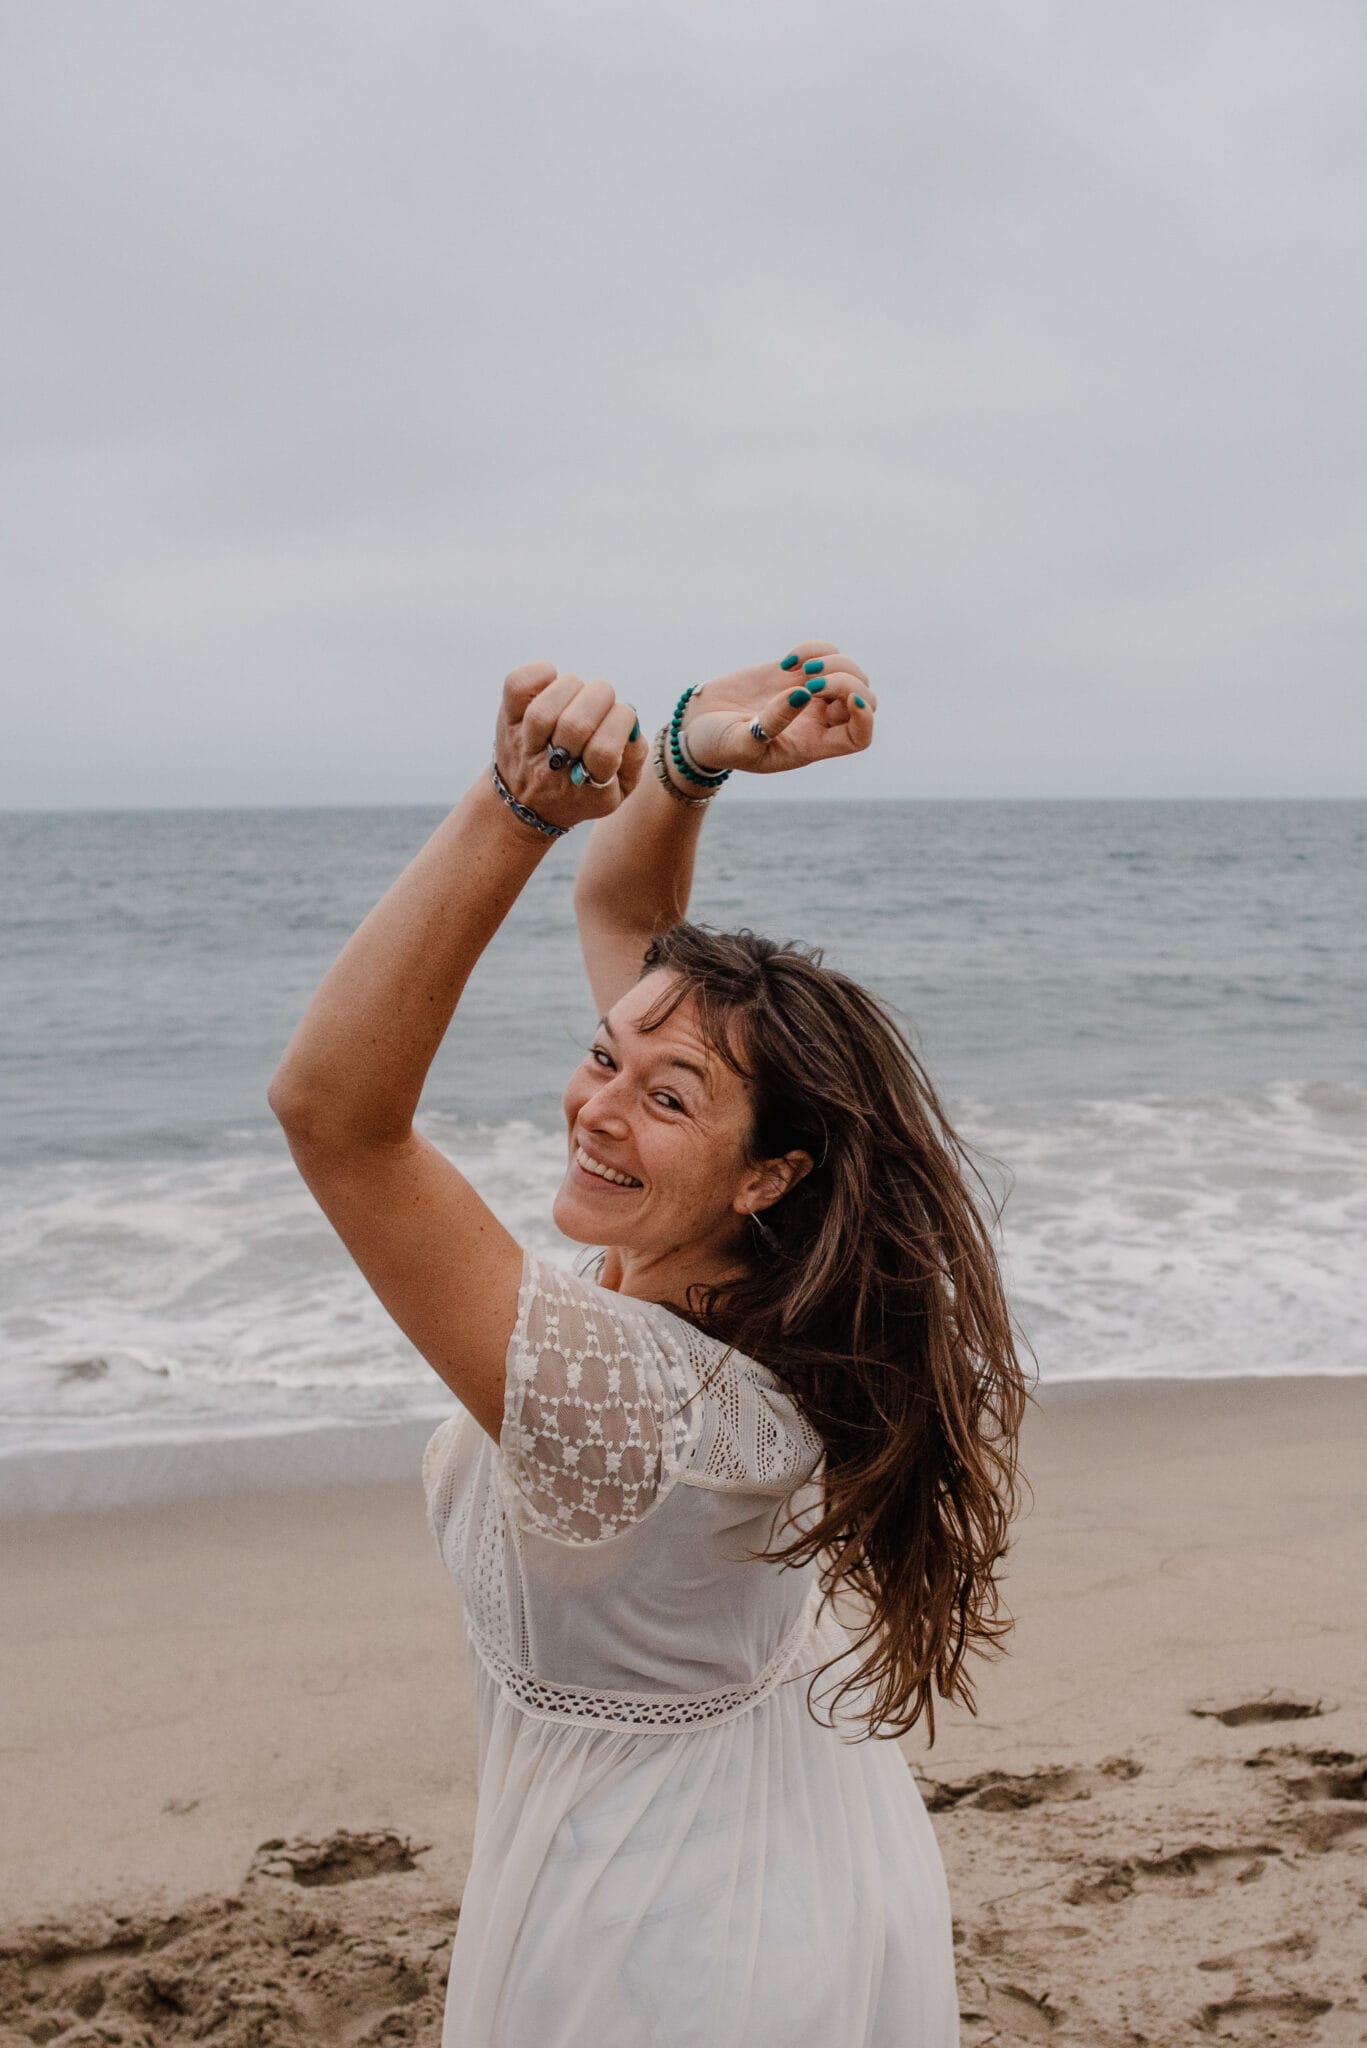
column 600, row 1414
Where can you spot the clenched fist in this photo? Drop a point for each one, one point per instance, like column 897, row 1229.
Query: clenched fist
column 540, row 709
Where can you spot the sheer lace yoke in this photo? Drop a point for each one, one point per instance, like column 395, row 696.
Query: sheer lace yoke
column 610, row 1401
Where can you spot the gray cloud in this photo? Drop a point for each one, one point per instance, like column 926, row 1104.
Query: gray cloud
column 357, row 354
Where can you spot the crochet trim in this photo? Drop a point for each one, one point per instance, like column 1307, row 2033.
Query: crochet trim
column 543, row 1700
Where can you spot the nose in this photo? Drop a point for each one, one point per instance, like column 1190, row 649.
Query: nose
column 605, row 1109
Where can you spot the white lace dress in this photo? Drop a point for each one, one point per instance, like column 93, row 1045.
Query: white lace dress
column 670, row 1852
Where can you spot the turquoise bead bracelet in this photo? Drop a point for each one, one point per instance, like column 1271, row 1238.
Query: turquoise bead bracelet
column 676, row 749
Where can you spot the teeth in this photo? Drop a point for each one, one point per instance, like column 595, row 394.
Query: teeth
column 621, row 1180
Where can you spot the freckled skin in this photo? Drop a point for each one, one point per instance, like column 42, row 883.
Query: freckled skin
column 682, row 1135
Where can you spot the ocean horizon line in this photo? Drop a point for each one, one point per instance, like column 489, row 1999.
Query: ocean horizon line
column 444, row 804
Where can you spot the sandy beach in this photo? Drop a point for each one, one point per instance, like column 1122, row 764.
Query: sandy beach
column 238, row 1761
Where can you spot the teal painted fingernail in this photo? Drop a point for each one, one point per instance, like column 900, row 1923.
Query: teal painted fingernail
column 788, row 661
column 635, row 732
column 578, row 773
column 812, row 668
column 819, row 682
column 860, row 702
column 799, row 698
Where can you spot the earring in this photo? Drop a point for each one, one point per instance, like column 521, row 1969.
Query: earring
column 766, row 1236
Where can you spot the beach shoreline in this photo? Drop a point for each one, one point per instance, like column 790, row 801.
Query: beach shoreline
column 196, row 1678
column 86, row 1475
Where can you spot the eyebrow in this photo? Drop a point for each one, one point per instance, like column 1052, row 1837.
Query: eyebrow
column 687, row 1066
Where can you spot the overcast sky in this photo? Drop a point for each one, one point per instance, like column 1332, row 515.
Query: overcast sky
column 353, row 355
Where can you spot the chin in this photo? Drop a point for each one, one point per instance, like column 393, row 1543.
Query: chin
column 571, row 1221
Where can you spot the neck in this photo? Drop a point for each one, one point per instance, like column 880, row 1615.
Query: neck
column 666, row 1276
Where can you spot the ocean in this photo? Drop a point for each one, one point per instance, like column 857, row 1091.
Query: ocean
column 1150, row 1017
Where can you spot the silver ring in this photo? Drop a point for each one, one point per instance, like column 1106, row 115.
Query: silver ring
column 759, row 733
column 557, row 757
column 579, row 775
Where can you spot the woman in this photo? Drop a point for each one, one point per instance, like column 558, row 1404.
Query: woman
column 793, row 1374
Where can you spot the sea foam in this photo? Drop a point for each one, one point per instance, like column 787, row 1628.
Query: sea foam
column 1193, row 1236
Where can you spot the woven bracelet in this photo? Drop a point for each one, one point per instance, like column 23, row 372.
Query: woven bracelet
column 657, row 755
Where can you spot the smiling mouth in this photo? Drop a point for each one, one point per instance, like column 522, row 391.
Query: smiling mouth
column 607, row 1174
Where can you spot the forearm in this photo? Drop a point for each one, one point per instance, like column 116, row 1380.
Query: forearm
column 354, row 1070
column 636, row 875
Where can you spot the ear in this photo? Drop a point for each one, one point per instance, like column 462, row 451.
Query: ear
column 770, row 1181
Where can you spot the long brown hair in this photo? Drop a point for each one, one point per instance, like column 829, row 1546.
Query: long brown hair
column 873, row 1293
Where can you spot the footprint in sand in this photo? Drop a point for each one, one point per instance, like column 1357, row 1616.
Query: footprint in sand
column 1013, row 2013
column 1333, row 1773
column 1006, row 1792
column 1262, row 2017
column 1268, row 1707
column 340, row 1859
column 1331, row 1784
column 1199, row 1868
column 263, row 1965
column 1029, row 2018
column 1296, row 1947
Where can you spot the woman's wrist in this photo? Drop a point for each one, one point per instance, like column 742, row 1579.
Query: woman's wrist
column 695, row 769
column 687, row 769
column 682, row 791
column 511, row 820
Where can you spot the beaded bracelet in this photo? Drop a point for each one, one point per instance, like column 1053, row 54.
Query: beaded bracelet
column 705, row 779
column 525, row 811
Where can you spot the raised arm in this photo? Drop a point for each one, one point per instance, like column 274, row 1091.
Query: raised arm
column 636, row 876
column 348, row 1086
column 634, row 880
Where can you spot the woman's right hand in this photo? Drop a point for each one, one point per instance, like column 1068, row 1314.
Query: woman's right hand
column 540, row 706
column 831, row 717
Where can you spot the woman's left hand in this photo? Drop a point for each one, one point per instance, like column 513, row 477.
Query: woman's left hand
column 831, row 717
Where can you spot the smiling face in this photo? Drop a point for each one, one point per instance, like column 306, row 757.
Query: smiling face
column 658, row 1127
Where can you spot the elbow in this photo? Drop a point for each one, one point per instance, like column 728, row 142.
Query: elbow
column 292, row 1106
column 305, row 1111
column 311, row 1129
column 317, row 1119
